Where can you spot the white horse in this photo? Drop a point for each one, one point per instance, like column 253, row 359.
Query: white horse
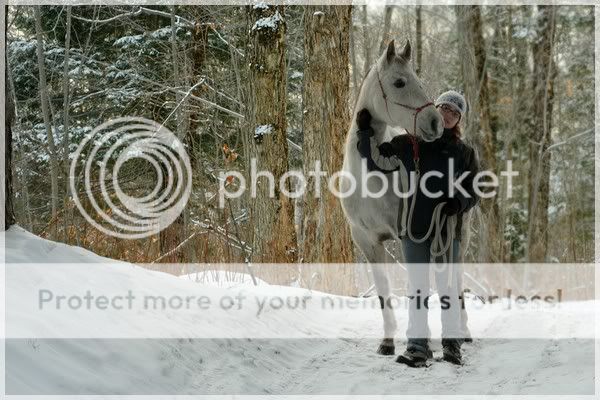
column 395, row 98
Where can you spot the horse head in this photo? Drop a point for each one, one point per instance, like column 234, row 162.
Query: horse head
column 397, row 96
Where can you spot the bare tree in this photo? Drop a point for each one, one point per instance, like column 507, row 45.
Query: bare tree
column 172, row 237
column 419, row 41
column 326, row 237
column 271, row 212
column 9, row 119
column 518, row 113
column 355, row 72
column 66, row 139
column 47, row 120
column 366, row 41
column 539, row 172
column 475, row 78
column 387, row 22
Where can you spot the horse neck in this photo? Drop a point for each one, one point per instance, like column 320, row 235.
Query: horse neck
column 369, row 92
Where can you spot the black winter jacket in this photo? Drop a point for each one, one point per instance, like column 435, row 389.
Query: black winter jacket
column 433, row 156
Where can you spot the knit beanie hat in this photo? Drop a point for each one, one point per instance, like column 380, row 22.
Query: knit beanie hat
column 454, row 100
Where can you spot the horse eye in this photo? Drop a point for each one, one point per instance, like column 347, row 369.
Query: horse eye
column 400, row 83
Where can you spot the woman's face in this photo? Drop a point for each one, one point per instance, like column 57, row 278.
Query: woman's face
column 449, row 115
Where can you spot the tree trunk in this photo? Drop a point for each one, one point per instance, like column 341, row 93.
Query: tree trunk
column 475, row 78
column 516, row 141
column 326, row 236
column 9, row 118
column 66, row 140
column 355, row 71
column 387, row 21
column 198, row 60
column 419, row 40
column 489, row 143
column 366, row 41
column 47, row 120
column 173, row 235
column 271, row 216
column 540, row 134
column 195, row 64
column 481, row 88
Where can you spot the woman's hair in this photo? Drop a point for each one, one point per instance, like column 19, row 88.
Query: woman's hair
column 456, row 132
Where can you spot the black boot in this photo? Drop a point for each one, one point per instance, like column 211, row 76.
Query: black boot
column 451, row 350
column 417, row 353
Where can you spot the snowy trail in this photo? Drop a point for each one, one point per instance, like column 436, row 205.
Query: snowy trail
column 353, row 367
column 319, row 366
column 314, row 365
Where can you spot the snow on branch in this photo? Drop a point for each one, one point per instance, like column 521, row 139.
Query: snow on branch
column 135, row 13
column 179, row 20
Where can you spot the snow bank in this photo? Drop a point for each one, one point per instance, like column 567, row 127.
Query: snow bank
column 280, row 351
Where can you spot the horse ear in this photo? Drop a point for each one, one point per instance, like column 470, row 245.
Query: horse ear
column 391, row 51
column 406, row 52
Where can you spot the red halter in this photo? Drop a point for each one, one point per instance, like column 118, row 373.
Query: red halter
column 413, row 137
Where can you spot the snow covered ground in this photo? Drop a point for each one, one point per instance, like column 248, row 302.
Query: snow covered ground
column 281, row 351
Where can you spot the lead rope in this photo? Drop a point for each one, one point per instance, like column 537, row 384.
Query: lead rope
column 438, row 218
column 438, row 247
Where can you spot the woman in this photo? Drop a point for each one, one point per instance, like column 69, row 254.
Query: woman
column 433, row 156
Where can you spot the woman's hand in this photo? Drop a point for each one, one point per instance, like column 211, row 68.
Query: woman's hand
column 363, row 119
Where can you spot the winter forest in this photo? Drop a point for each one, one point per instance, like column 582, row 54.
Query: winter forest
column 279, row 84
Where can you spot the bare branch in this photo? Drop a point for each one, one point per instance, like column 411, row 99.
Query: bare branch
column 111, row 19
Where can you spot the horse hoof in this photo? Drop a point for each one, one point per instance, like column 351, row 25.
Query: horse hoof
column 386, row 348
